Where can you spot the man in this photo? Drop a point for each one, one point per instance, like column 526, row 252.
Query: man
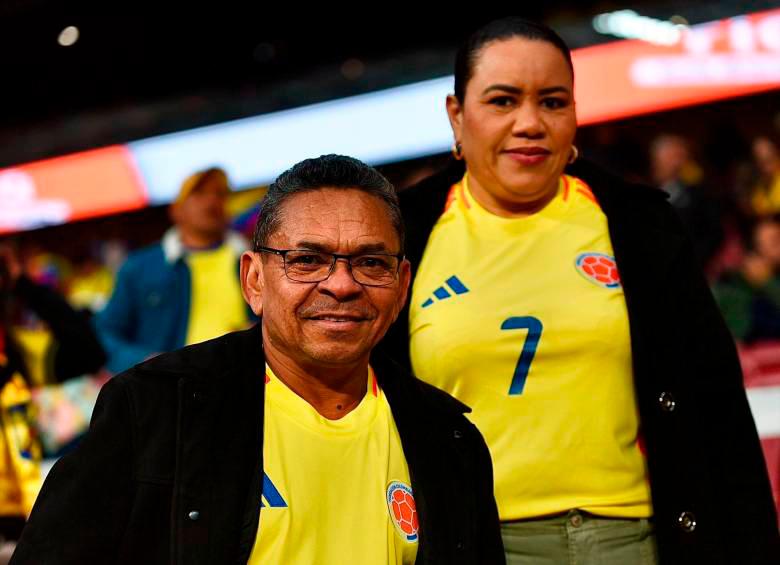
column 675, row 172
column 182, row 290
column 280, row 444
column 766, row 193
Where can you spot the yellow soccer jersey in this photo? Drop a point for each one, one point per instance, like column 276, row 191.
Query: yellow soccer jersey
column 334, row 491
column 524, row 320
column 216, row 305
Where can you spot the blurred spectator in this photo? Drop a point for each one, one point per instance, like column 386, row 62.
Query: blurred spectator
column 750, row 298
column 75, row 351
column 182, row 290
column 675, row 172
column 766, row 193
column 91, row 286
column 93, row 279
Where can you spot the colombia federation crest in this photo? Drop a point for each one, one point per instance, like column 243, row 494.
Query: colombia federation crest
column 403, row 511
column 598, row 268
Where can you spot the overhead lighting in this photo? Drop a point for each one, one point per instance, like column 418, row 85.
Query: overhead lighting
column 68, row 36
column 629, row 24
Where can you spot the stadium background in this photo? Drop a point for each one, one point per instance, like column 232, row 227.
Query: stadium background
column 103, row 115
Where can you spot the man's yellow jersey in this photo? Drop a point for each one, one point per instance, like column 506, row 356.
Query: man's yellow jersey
column 334, row 491
column 524, row 320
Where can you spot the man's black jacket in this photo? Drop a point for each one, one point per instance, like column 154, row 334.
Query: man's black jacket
column 171, row 469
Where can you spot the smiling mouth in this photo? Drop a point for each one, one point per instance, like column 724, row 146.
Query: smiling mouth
column 336, row 319
column 528, row 156
column 528, row 151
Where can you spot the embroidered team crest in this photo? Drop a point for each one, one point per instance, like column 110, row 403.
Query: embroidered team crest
column 599, row 268
column 403, row 511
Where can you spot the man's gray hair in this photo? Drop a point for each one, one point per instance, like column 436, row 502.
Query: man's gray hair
column 327, row 171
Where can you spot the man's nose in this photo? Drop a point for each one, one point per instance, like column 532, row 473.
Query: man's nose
column 341, row 284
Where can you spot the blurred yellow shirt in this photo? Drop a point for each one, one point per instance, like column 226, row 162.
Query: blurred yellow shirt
column 525, row 321
column 334, row 491
column 767, row 202
column 216, row 304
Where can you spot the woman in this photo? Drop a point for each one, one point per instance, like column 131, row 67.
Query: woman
column 518, row 310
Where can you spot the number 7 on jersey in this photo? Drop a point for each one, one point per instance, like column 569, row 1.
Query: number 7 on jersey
column 534, row 327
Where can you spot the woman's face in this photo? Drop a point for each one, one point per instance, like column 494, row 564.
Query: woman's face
column 517, row 122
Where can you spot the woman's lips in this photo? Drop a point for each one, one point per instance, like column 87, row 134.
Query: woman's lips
column 528, row 156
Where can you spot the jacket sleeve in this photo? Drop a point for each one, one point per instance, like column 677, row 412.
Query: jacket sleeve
column 488, row 536
column 116, row 322
column 78, row 350
column 727, row 442
column 82, row 511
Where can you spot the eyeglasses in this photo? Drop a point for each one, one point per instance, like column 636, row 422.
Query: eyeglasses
column 370, row 269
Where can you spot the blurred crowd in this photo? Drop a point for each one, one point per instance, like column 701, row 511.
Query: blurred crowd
column 735, row 230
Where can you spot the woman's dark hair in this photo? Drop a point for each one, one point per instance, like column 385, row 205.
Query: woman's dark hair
column 327, row 171
column 498, row 30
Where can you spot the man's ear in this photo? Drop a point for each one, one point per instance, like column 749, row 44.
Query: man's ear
column 404, row 279
column 173, row 212
column 252, row 281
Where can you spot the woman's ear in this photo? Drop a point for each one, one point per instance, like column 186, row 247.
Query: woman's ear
column 455, row 114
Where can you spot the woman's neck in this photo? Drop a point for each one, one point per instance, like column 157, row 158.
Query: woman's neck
column 507, row 208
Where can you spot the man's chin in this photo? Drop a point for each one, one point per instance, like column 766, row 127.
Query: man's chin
column 336, row 354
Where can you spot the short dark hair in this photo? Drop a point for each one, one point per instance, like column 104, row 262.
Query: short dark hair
column 327, row 171
column 498, row 30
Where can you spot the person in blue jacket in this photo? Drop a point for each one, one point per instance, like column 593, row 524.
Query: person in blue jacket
column 183, row 289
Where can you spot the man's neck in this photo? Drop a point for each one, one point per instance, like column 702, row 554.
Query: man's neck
column 195, row 240
column 333, row 391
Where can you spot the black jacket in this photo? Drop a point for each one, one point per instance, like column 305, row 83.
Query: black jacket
column 171, row 469
column 704, row 456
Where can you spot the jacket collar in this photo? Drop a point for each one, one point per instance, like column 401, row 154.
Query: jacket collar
column 174, row 249
column 644, row 230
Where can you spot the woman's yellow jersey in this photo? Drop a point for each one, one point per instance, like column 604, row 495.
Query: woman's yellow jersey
column 334, row 491
column 524, row 320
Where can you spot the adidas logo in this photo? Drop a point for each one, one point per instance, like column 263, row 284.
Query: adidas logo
column 441, row 293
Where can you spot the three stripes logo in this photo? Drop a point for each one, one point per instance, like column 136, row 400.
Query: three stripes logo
column 451, row 285
column 271, row 497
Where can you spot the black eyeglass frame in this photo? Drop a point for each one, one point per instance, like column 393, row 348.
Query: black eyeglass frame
column 336, row 256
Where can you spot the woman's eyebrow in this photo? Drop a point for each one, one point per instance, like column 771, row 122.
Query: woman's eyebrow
column 504, row 88
column 515, row 90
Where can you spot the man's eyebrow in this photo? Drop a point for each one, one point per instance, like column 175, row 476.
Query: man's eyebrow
column 515, row 90
column 378, row 247
column 371, row 248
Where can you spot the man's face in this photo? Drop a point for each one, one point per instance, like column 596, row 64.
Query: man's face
column 767, row 241
column 203, row 210
column 338, row 321
column 668, row 158
column 765, row 154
